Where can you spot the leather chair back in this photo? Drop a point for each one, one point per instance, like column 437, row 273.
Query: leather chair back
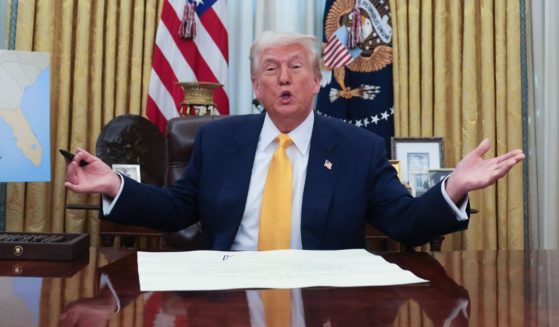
column 179, row 144
column 181, row 133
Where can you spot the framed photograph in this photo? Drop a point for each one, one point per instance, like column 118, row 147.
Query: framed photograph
column 437, row 175
column 132, row 171
column 417, row 156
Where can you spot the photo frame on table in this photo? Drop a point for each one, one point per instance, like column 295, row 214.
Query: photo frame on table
column 132, row 171
column 437, row 175
column 418, row 155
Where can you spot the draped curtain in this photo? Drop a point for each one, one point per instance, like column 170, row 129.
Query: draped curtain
column 100, row 62
column 457, row 74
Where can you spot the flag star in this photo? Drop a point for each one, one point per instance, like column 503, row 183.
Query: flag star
column 358, row 123
column 199, row 2
column 384, row 115
column 366, row 122
column 392, row 111
column 374, row 119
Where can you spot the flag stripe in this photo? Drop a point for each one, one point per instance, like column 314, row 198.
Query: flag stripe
column 164, row 69
column 204, row 44
column 336, row 54
column 205, row 58
column 341, row 59
column 173, row 54
column 192, row 54
column 337, row 46
column 155, row 116
column 213, row 24
column 193, row 58
column 162, row 98
column 331, row 42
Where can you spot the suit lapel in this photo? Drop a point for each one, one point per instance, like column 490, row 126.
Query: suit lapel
column 325, row 158
column 237, row 172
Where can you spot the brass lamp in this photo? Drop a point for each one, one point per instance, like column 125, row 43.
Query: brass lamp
column 198, row 98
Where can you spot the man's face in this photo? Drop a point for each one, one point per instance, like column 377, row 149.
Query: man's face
column 285, row 84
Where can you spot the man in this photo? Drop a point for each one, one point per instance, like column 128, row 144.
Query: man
column 339, row 176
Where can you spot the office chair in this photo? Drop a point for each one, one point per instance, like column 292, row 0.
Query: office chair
column 179, row 144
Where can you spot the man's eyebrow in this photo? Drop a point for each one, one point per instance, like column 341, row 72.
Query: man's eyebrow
column 273, row 59
column 266, row 60
column 296, row 56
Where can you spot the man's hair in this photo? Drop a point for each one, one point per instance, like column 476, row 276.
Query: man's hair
column 270, row 39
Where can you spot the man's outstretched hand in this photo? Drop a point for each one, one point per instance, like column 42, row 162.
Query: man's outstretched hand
column 95, row 177
column 474, row 173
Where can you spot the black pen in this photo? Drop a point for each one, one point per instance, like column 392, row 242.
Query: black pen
column 70, row 156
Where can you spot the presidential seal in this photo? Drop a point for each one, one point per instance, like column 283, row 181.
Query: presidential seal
column 364, row 26
column 375, row 37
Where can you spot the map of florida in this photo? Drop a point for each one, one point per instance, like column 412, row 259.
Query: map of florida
column 18, row 71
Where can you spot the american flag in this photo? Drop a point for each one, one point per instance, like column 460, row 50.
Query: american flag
column 336, row 53
column 204, row 58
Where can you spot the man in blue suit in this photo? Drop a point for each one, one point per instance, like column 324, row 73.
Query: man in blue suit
column 341, row 178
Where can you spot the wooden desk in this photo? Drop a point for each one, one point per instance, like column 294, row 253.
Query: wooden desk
column 478, row 288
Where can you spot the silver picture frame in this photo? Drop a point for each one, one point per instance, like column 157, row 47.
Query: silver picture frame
column 128, row 170
column 417, row 155
column 437, row 175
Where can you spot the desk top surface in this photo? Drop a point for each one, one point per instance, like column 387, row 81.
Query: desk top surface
column 509, row 288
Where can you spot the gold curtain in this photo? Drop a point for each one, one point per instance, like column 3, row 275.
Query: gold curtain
column 457, row 75
column 100, row 54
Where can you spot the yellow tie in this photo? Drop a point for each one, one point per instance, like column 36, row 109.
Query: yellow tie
column 277, row 307
column 275, row 215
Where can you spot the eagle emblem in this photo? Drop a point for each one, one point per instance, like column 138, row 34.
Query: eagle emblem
column 371, row 21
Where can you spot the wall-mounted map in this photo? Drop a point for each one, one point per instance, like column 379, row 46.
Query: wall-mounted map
column 24, row 116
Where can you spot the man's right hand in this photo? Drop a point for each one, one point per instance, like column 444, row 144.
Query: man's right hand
column 95, row 177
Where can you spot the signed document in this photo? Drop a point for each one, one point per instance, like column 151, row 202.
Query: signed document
column 215, row 270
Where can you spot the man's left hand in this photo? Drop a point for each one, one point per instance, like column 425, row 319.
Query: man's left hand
column 474, row 173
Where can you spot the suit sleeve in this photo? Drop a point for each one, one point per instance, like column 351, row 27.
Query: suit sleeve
column 166, row 209
column 413, row 221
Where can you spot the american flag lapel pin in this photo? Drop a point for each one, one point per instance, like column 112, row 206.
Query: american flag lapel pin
column 328, row 164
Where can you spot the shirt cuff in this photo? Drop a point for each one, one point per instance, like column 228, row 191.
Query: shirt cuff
column 459, row 211
column 109, row 203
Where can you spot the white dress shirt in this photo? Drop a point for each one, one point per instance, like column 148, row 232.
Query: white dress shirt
column 298, row 153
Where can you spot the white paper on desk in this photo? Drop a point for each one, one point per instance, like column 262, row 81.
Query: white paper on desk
column 216, row 270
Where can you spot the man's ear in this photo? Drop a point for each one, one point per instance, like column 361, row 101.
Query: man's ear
column 316, row 87
column 255, row 87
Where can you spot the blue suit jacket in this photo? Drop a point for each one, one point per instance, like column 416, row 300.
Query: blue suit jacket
column 360, row 187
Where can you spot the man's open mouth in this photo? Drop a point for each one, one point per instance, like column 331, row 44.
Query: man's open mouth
column 285, row 96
